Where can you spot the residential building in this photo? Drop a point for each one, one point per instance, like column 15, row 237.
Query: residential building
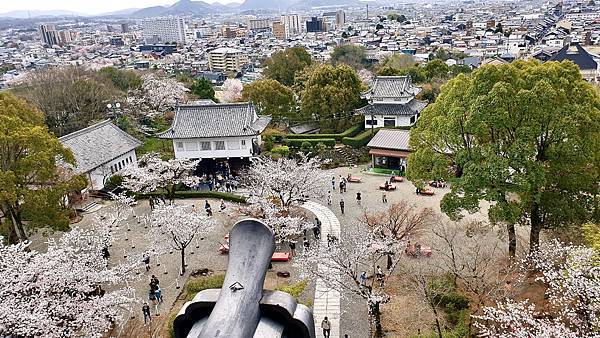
column 216, row 132
column 227, row 59
column 49, row 35
column 165, row 30
column 392, row 103
column 340, row 18
column 279, row 30
column 389, row 149
column 101, row 151
column 259, row 24
column 291, row 23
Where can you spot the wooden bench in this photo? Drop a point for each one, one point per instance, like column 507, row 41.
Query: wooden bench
column 426, row 192
column 280, row 257
column 397, row 179
column 389, row 187
column 354, row 179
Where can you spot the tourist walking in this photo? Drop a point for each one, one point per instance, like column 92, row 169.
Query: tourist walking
column 362, row 279
column 384, row 197
column 329, row 198
column 333, row 182
column 358, row 197
column 292, row 248
column 326, row 326
column 146, row 312
column 146, row 260
column 342, row 206
column 158, row 294
column 222, row 207
column 306, row 244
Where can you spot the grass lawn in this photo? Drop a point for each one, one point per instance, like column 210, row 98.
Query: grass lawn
column 384, row 171
column 155, row 145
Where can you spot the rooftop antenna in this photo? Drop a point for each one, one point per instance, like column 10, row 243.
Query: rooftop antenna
column 367, row 11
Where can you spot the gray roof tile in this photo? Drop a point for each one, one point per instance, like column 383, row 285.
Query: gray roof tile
column 393, row 87
column 412, row 108
column 395, row 139
column 98, row 144
column 216, row 120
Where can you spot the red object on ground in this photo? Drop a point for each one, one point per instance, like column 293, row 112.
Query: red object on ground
column 389, row 187
column 280, row 257
column 426, row 192
column 354, row 179
column 397, row 179
column 223, row 249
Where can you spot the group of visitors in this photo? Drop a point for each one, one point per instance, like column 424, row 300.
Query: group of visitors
column 154, row 297
column 156, row 200
column 343, row 182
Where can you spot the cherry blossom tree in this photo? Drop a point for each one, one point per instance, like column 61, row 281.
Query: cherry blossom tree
column 157, row 95
column 153, row 173
column 287, row 181
column 231, row 91
column 366, row 76
column 340, row 267
column 174, row 227
column 397, row 222
column 287, row 225
column 573, row 279
column 67, row 291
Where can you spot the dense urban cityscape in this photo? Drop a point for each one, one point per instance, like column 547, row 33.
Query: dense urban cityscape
column 287, row 168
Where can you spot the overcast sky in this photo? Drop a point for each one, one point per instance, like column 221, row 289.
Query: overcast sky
column 86, row 6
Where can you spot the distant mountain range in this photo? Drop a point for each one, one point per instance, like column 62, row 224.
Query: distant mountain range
column 189, row 7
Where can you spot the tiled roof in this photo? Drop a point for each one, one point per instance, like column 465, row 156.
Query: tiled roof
column 216, row 120
column 395, row 139
column 412, row 108
column 98, row 144
column 578, row 55
column 393, row 86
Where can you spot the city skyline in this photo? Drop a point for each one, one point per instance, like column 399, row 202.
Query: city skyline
column 88, row 8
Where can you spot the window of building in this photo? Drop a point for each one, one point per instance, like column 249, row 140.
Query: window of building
column 219, row 145
column 389, row 122
column 371, row 122
column 243, row 144
column 119, row 166
column 191, row 145
column 112, row 169
column 205, row 145
column 413, row 119
column 179, row 145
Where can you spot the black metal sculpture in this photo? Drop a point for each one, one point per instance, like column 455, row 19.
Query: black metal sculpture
column 242, row 309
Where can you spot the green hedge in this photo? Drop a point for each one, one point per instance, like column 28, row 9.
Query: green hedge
column 338, row 137
column 297, row 143
column 361, row 139
column 201, row 194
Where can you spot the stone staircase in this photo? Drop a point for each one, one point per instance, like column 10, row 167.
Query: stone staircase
column 347, row 155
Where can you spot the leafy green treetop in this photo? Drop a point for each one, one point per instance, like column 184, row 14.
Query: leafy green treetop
column 523, row 136
column 203, row 89
column 283, row 65
column 270, row 97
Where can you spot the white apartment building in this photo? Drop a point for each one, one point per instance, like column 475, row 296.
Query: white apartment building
column 227, row 59
column 164, row 30
column 259, row 24
column 291, row 24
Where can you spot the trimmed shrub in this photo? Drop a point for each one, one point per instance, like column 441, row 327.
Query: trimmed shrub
column 284, row 151
column 297, row 143
column 113, row 182
column 273, row 135
column 306, row 146
column 338, row 137
column 359, row 140
column 200, row 194
column 294, row 290
column 193, row 286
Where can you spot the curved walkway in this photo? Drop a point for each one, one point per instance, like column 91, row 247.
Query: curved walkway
column 327, row 300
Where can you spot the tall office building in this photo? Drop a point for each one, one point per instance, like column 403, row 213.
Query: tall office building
column 49, row 35
column 316, row 25
column 259, row 24
column 164, row 30
column 340, row 19
column 291, row 24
